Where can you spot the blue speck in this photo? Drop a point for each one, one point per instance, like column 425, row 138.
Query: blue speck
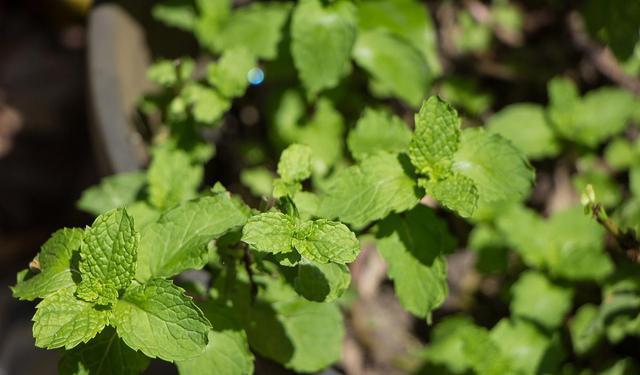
column 255, row 76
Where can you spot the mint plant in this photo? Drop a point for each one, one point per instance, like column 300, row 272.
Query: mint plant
column 342, row 130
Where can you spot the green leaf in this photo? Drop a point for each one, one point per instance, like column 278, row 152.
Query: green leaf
column 55, row 266
column 321, row 42
column 227, row 351
column 526, row 126
column 108, row 257
column 62, row 320
column 113, row 192
column 378, row 130
column 614, row 22
column 105, row 354
column 325, row 241
column 446, row 346
column 271, row 232
column 178, row 240
column 324, row 134
column 528, row 349
column 229, row 73
column 620, row 154
column 172, row 178
column 369, row 191
column 207, row 104
column 455, row 192
column 592, row 119
column 295, row 163
column 176, row 13
column 256, row 27
column 413, row 245
column 292, row 331
column 397, row 68
column 569, row 245
column 539, row 300
column 408, row 19
column 464, row 93
column 499, row 171
column 436, row 138
column 322, row 282
column 584, row 330
column 158, row 319
column 259, row 180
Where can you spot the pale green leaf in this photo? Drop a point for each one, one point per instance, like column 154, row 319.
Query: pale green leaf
column 413, row 245
column 259, row 180
column 270, row 232
column 178, row 240
column 526, row 126
column 436, row 138
column 325, row 241
column 176, row 13
column 108, row 257
column 302, row 335
column 207, row 105
column 158, row 319
column 295, row 163
column 227, row 351
column 378, row 130
column 537, row 299
column 321, row 43
column 172, row 178
column 529, row 350
column 408, row 19
column 62, row 320
column 229, row 73
column 322, row 282
column 589, row 120
column 396, row 67
column 55, row 266
column 499, row 170
column 106, row 354
column 369, row 191
column 256, row 27
column 112, row 192
column 455, row 192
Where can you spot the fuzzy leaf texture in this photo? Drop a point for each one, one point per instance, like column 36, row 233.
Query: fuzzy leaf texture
column 158, row 319
column 295, row 163
column 325, row 241
column 436, row 138
column 322, row 39
column 62, row 320
column 55, row 266
column 271, row 232
column 178, row 240
column 108, row 257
